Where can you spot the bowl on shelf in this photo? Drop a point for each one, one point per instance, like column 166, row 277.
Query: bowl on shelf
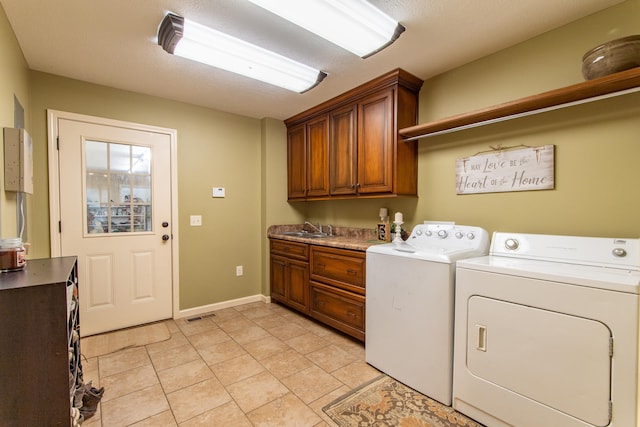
column 611, row 57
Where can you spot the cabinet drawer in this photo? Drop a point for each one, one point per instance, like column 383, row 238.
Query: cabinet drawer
column 339, row 267
column 341, row 309
column 290, row 249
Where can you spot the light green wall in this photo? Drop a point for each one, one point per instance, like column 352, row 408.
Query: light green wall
column 14, row 76
column 275, row 209
column 597, row 145
column 214, row 149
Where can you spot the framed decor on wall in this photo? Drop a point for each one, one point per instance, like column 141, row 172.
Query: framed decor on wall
column 519, row 168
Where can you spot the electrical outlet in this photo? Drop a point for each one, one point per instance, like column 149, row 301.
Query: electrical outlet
column 239, row 270
column 195, row 220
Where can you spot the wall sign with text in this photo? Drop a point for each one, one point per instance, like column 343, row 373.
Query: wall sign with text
column 521, row 169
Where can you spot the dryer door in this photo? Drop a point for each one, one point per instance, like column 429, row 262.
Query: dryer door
column 560, row 361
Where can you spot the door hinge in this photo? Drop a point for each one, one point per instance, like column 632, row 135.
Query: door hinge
column 610, row 410
column 58, row 143
column 610, row 346
column 59, row 226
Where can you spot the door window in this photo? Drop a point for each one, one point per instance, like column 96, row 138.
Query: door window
column 117, row 187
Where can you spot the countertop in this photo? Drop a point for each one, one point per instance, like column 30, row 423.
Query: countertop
column 38, row 272
column 358, row 239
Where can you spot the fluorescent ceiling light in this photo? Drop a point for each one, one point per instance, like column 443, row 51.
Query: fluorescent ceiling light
column 355, row 25
column 191, row 40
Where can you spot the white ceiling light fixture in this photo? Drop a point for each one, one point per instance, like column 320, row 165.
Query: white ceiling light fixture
column 355, row 25
column 188, row 39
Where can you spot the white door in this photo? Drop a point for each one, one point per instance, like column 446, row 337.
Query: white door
column 115, row 215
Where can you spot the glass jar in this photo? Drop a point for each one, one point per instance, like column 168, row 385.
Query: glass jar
column 12, row 255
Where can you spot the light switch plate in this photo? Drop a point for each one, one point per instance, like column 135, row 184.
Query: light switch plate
column 218, row 192
column 195, row 220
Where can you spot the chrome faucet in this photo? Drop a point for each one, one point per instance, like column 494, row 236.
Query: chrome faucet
column 330, row 230
column 317, row 227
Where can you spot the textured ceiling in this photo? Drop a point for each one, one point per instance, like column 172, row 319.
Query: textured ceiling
column 113, row 43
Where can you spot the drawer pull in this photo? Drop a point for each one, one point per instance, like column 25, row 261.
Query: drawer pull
column 320, row 303
column 351, row 314
column 321, row 265
column 353, row 272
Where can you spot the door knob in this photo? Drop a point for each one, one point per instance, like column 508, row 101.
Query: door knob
column 165, row 237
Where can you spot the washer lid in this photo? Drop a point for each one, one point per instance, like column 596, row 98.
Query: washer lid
column 434, row 254
column 615, row 279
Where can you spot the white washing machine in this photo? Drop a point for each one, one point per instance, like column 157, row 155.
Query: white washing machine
column 546, row 332
column 409, row 304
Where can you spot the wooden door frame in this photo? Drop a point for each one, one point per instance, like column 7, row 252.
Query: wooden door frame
column 54, row 185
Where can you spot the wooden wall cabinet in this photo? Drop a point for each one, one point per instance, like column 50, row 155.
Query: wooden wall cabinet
column 343, row 151
column 337, row 289
column 308, row 159
column 290, row 274
column 40, row 360
column 349, row 146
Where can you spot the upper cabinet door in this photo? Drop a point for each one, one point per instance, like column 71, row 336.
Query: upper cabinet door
column 343, row 150
column 376, row 143
column 318, row 157
column 297, row 162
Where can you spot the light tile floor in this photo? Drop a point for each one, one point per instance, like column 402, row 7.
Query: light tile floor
column 252, row 365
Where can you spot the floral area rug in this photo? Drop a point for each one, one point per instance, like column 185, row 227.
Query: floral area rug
column 386, row 402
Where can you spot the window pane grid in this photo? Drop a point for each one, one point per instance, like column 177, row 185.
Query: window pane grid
column 118, row 188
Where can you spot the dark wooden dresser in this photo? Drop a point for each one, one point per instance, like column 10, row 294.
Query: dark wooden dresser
column 39, row 343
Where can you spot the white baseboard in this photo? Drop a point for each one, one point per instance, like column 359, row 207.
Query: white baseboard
column 204, row 309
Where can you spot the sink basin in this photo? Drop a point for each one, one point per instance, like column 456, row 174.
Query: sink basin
column 305, row 234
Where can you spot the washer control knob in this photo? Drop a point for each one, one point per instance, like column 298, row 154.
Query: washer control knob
column 428, row 233
column 418, row 232
column 459, row 235
column 619, row 252
column 471, row 236
column 442, row 234
column 511, row 244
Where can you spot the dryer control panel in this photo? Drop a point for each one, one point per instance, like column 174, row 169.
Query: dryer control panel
column 597, row 251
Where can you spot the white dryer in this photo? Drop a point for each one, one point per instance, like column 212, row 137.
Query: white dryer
column 409, row 303
column 546, row 332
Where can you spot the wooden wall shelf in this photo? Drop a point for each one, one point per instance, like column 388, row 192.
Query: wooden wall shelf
column 592, row 90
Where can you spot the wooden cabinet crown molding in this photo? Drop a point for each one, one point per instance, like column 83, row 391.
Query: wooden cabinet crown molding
column 392, row 78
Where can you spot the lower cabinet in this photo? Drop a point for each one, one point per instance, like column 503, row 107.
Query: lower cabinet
column 338, row 289
column 338, row 308
column 290, row 274
column 326, row 283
